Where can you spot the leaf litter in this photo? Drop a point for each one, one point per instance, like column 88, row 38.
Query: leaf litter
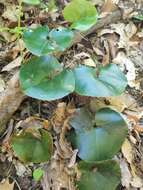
column 124, row 50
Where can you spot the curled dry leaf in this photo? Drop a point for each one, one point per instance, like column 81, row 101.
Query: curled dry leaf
column 127, row 151
column 125, row 32
column 59, row 117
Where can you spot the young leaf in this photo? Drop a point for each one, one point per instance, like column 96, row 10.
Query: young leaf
column 37, row 174
column 43, row 78
column 29, row 148
column 101, row 142
column 101, row 176
column 107, row 81
column 40, row 41
column 32, row 2
column 81, row 13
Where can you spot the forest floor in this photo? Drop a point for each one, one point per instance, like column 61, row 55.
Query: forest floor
column 118, row 41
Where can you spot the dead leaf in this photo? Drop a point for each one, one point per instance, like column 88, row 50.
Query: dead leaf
column 136, row 181
column 125, row 32
column 106, row 57
column 108, row 6
column 116, row 103
column 58, row 117
column 10, row 13
column 126, row 62
column 15, row 63
column 64, row 145
column 89, row 62
column 2, row 85
column 56, row 176
column 20, row 168
column 85, row 59
column 127, row 151
column 126, row 176
column 73, row 159
column 6, row 185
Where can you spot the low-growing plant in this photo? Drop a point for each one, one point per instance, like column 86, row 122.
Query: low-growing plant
column 97, row 137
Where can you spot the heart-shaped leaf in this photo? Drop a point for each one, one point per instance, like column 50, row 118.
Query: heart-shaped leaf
column 40, row 41
column 32, row 2
column 102, row 138
column 107, row 81
column 29, row 148
column 81, row 13
column 62, row 37
column 43, row 78
column 101, row 176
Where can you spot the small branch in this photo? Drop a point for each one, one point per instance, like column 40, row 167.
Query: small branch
column 12, row 97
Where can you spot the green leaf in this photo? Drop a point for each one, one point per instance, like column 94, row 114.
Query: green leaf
column 32, row 2
column 40, row 41
column 104, row 137
column 29, row 148
column 107, row 81
column 101, row 176
column 37, row 174
column 43, row 78
column 139, row 17
column 62, row 37
column 81, row 13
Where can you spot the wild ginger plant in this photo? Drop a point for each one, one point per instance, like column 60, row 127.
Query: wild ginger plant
column 97, row 136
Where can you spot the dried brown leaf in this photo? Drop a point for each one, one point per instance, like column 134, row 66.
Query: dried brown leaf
column 127, row 151
column 6, row 185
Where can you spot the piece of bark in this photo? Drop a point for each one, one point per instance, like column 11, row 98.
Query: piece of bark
column 10, row 100
column 12, row 97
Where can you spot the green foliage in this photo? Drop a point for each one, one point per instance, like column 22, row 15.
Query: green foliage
column 41, row 41
column 101, row 176
column 29, row 147
column 37, row 174
column 38, row 81
column 32, row 2
column 106, row 81
column 139, row 17
column 44, row 78
column 81, row 13
column 98, row 137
